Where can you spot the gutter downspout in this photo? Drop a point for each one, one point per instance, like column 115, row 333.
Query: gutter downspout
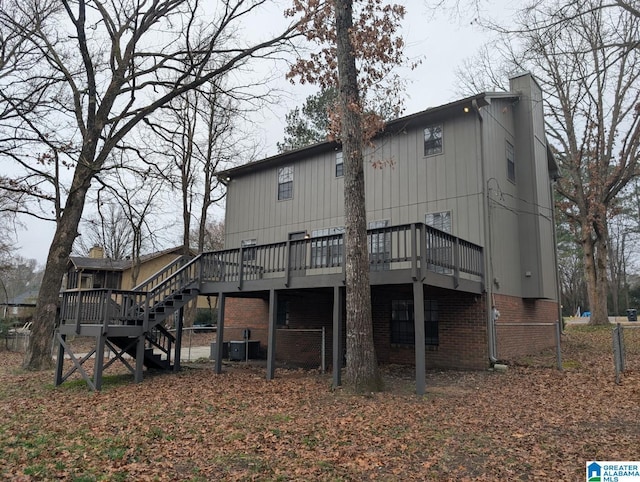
column 491, row 325
column 555, row 251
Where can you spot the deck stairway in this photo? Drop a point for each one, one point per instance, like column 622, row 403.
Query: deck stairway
column 127, row 323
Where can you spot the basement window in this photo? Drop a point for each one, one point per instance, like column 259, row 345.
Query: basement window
column 403, row 322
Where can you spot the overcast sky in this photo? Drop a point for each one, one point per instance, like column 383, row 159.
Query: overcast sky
column 441, row 41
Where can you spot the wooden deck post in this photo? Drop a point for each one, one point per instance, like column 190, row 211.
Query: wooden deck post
column 220, row 333
column 139, row 358
column 99, row 359
column 60, row 361
column 178, row 347
column 271, row 343
column 418, row 316
column 337, row 336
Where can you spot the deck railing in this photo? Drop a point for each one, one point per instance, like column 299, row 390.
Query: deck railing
column 102, row 306
column 415, row 247
column 411, row 246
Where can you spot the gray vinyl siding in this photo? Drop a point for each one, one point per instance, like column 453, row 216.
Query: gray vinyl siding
column 415, row 185
column 502, row 218
column 408, row 185
column 253, row 210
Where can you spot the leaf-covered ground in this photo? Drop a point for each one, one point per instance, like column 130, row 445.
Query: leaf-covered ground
column 529, row 423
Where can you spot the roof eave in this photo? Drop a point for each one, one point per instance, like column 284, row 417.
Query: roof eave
column 396, row 125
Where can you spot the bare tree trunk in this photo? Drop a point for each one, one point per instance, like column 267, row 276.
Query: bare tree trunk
column 38, row 354
column 362, row 367
column 595, row 266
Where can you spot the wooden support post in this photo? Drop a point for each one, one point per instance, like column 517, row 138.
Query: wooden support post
column 139, row 358
column 414, row 252
column 418, row 316
column 456, row 263
column 99, row 359
column 220, row 333
column 240, row 267
column 178, row 347
column 79, row 308
column 422, row 243
column 287, row 264
column 60, row 361
column 337, row 336
column 271, row 342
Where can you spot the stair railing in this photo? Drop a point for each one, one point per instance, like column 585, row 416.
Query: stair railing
column 180, row 279
column 161, row 338
column 163, row 274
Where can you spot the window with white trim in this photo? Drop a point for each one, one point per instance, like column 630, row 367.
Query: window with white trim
column 285, row 183
column 379, row 246
column 248, row 251
column 441, row 221
column 327, row 251
column 439, row 249
column 433, row 140
column 339, row 164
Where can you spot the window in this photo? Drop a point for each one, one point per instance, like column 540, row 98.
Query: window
column 248, row 251
column 285, row 183
column 439, row 249
column 441, row 221
column 379, row 246
column 433, row 140
column 511, row 162
column 282, row 315
column 403, row 322
column 339, row 164
column 327, row 252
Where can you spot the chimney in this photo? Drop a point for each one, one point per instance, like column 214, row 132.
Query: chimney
column 96, row 252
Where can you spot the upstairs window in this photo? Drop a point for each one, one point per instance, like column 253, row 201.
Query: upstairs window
column 433, row 140
column 339, row 164
column 511, row 163
column 248, row 249
column 285, row 183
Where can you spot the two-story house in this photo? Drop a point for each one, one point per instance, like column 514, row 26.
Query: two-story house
column 461, row 226
column 462, row 207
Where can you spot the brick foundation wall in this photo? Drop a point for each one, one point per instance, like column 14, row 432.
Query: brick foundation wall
column 517, row 341
column 462, row 334
column 307, row 311
column 241, row 313
column 462, row 328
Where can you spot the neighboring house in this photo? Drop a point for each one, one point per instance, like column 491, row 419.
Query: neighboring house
column 21, row 306
column 460, row 209
column 95, row 271
column 479, row 169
